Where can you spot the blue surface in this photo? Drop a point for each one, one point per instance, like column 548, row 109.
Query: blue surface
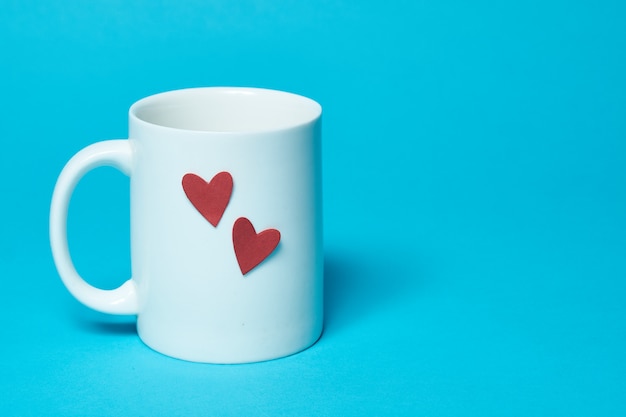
column 475, row 204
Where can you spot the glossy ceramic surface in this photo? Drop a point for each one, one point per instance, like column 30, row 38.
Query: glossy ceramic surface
column 247, row 288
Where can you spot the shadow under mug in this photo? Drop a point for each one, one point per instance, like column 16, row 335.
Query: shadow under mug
column 226, row 227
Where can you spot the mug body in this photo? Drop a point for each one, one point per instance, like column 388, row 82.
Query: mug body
column 227, row 273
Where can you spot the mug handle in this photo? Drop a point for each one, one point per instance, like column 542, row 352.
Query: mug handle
column 115, row 153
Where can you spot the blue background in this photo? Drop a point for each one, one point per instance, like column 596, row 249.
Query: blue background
column 475, row 203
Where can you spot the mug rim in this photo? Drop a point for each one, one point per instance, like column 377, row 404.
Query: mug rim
column 311, row 110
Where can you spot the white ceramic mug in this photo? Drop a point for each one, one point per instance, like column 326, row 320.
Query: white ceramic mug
column 226, row 228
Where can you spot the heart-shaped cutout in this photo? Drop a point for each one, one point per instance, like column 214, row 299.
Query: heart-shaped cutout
column 209, row 198
column 252, row 248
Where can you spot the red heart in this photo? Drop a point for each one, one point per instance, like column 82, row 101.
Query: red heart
column 251, row 248
column 209, row 198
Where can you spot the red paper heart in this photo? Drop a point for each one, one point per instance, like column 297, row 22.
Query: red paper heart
column 209, row 198
column 251, row 248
